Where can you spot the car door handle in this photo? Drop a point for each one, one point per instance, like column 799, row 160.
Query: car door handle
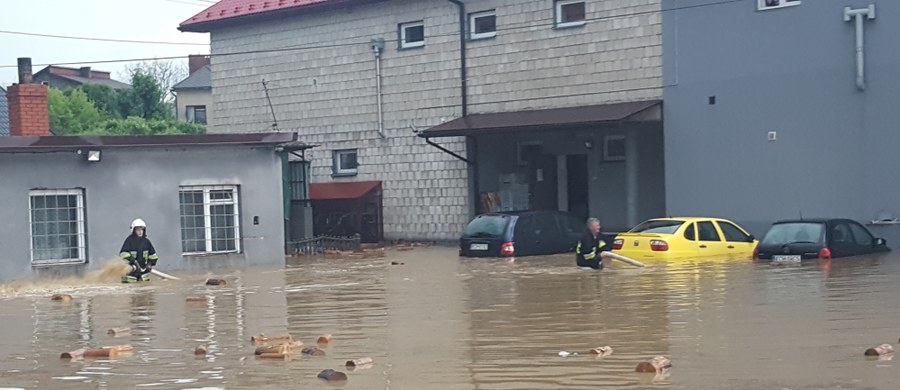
column 731, row 247
column 703, row 246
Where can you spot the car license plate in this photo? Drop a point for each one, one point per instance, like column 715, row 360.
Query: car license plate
column 786, row 258
column 478, row 247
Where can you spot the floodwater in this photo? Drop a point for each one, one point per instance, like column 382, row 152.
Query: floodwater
column 440, row 322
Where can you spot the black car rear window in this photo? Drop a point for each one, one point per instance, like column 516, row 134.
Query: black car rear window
column 487, row 225
column 794, row 232
column 659, row 227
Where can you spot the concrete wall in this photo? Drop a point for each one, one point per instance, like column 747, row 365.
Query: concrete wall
column 128, row 184
column 195, row 97
column 792, row 71
column 327, row 92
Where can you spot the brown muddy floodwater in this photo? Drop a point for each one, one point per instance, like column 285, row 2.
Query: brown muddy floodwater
column 440, row 322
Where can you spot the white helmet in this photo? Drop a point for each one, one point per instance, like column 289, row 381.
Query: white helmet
column 138, row 223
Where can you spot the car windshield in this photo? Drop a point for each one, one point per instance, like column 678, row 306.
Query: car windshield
column 487, row 225
column 658, row 226
column 794, row 232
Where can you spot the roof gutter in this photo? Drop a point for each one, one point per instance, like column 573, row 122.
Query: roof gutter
column 464, row 88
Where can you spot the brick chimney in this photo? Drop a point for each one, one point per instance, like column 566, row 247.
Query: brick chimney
column 195, row 62
column 29, row 114
column 85, row 72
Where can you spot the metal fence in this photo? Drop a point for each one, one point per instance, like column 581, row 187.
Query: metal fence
column 318, row 245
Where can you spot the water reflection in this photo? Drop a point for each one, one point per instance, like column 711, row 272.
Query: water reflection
column 442, row 322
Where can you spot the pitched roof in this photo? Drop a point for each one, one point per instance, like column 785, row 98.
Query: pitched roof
column 201, row 79
column 114, row 84
column 75, row 74
column 4, row 113
column 239, row 10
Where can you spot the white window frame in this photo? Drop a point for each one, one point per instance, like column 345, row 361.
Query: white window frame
column 607, row 156
column 761, row 4
column 557, row 14
column 207, row 216
column 475, row 15
column 336, row 162
column 81, row 233
column 402, row 34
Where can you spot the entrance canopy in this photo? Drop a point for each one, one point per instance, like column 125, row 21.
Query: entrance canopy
column 549, row 119
column 342, row 190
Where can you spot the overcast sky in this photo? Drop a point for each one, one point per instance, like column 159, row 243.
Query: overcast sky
column 144, row 20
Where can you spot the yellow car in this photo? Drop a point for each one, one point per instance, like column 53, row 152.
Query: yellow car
column 686, row 238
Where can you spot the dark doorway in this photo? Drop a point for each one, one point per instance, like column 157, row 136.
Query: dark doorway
column 542, row 182
column 577, row 179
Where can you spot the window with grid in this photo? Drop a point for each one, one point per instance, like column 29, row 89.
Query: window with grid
column 57, row 226
column 210, row 222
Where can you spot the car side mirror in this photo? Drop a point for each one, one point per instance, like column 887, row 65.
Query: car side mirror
column 751, row 238
column 880, row 242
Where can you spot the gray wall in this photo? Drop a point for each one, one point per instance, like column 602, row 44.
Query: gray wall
column 128, row 184
column 792, row 71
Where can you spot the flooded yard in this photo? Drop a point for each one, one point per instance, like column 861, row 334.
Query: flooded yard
column 441, row 322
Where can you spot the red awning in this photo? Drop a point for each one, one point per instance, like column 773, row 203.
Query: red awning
column 342, row 190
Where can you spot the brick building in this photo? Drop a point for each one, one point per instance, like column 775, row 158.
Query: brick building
column 454, row 107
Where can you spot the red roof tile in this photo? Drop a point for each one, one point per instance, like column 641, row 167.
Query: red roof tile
column 341, row 190
column 230, row 9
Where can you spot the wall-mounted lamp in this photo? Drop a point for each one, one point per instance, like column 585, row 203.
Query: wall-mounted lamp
column 588, row 144
column 93, row 155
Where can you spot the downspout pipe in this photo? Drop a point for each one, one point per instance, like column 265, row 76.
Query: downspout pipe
column 377, row 49
column 858, row 15
column 463, row 73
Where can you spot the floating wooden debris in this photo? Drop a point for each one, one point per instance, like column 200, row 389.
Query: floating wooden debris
column 65, row 298
column 116, row 332
column 89, row 353
column 332, row 375
column 366, row 361
column 275, row 356
column 263, row 338
column 880, row 350
column 324, row 339
column 657, row 365
column 200, row 350
column 195, row 298
column 120, row 348
column 602, row 351
column 282, row 348
column 397, row 263
column 312, row 351
column 215, row 282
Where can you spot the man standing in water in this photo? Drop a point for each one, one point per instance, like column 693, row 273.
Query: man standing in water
column 587, row 252
column 139, row 253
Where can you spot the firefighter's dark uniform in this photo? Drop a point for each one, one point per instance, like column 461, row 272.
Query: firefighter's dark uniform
column 140, row 255
column 587, row 252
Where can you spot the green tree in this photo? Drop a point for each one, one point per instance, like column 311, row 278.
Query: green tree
column 144, row 99
column 105, row 98
column 72, row 113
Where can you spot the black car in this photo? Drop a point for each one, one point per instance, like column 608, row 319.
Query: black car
column 796, row 240
column 520, row 234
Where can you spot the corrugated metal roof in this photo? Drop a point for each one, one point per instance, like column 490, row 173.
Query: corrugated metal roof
column 63, row 143
column 201, row 79
column 4, row 113
column 341, row 190
column 231, row 10
column 544, row 119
